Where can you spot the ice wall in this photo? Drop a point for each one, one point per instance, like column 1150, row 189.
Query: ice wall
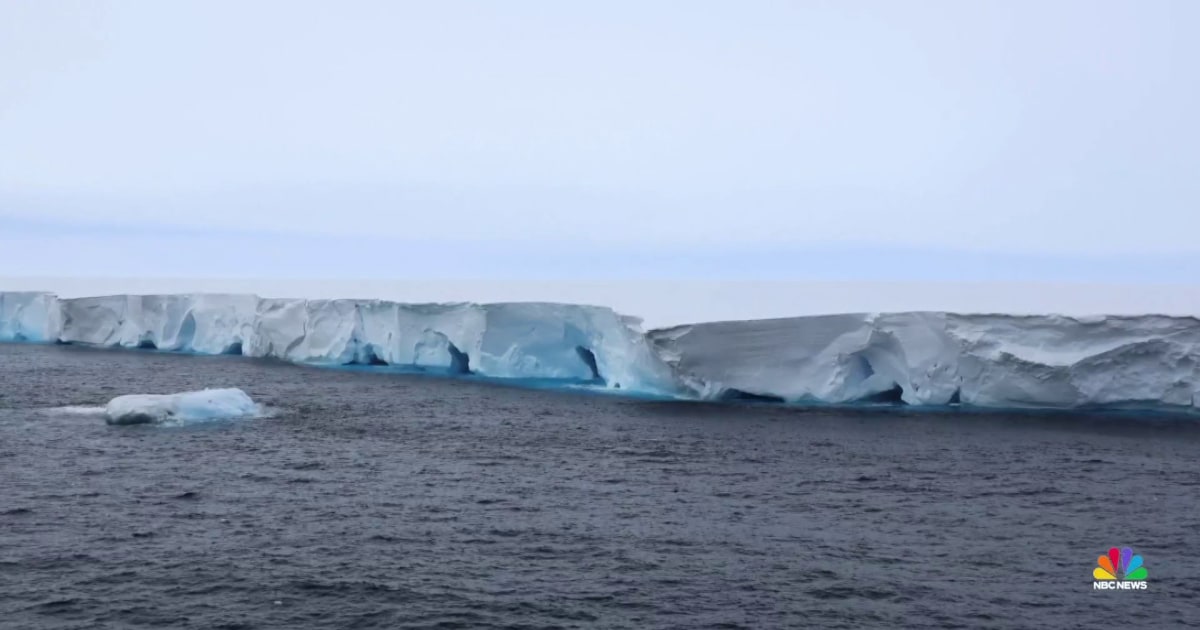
column 943, row 358
column 28, row 316
column 205, row 324
column 507, row 340
column 922, row 358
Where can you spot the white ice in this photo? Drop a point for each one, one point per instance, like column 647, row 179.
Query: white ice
column 28, row 316
column 943, row 358
column 182, row 408
column 505, row 340
column 918, row 358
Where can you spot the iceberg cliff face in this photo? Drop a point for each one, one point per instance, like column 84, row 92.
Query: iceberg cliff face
column 28, row 316
column 205, row 324
column 943, row 358
column 897, row 358
column 517, row 340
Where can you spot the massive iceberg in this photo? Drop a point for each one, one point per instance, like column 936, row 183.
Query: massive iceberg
column 565, row 342
column 205, row 324
column 27, row 316
column 1002, row 361
column 923, row 358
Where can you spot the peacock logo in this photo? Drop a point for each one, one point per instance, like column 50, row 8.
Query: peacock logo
column 1119, row 569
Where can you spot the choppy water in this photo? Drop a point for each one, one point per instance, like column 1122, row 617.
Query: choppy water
column 382, row 501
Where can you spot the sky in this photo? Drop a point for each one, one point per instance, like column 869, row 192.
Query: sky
column 742, row 141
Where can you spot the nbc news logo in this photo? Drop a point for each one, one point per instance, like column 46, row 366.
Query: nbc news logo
column 1119, row 570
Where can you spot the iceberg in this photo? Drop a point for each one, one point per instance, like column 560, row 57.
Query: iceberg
column 560, row 342
column 204, row 324
column 515, row 340
column 916, row 358
column 29, row 316
column 182, row 408
column 929, row 358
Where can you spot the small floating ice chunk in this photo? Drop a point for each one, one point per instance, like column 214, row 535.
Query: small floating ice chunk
column 182, row 408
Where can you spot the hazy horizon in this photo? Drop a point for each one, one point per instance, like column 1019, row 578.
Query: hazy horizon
column 923, row 142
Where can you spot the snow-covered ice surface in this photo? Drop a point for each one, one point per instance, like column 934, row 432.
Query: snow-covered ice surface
column 942, row 359
column 918, row 358
column 182, row 408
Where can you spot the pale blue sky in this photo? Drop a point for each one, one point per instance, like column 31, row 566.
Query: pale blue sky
column 880, row 140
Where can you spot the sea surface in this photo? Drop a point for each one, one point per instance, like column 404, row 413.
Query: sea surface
column 368, row 500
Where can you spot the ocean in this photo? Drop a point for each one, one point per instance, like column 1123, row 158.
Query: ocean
column 376, row 500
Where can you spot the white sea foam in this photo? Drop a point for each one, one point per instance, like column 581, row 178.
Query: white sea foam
column 75, row 410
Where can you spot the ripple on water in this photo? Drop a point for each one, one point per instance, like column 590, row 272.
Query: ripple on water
column 392, row 501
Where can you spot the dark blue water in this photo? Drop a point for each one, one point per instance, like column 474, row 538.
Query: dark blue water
column 391, row 501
